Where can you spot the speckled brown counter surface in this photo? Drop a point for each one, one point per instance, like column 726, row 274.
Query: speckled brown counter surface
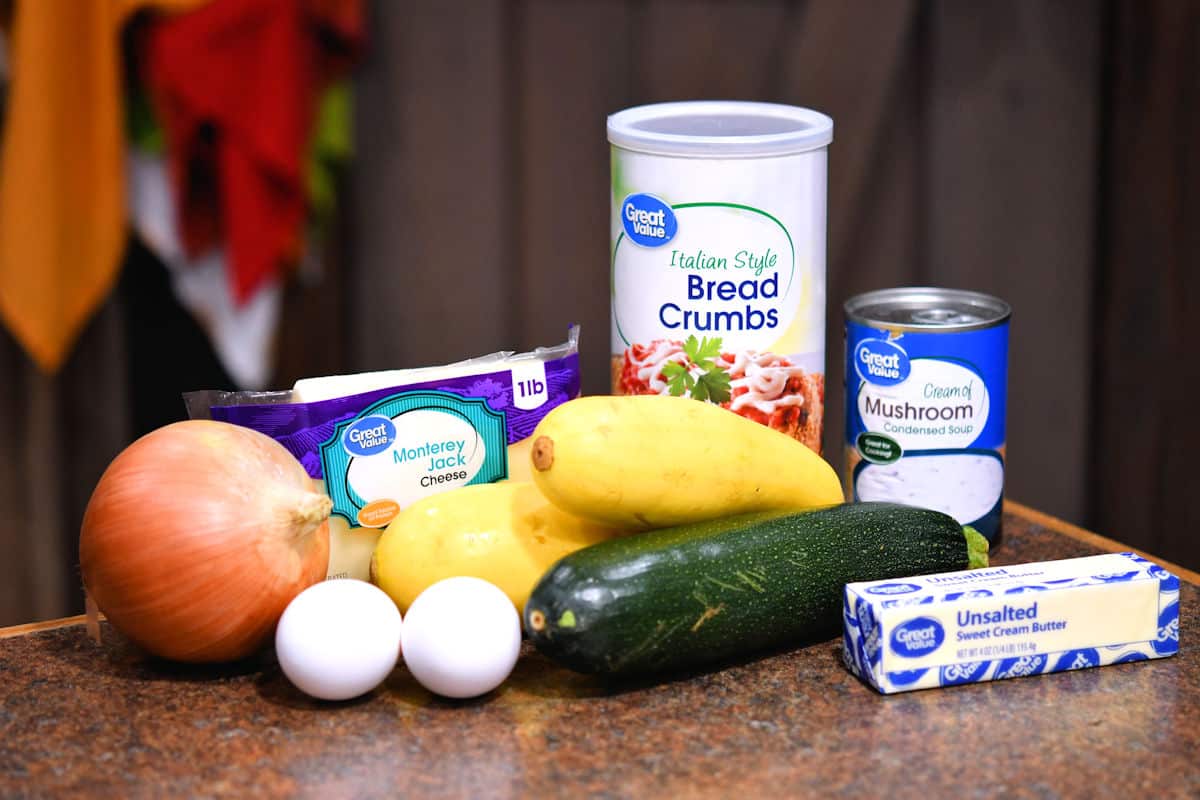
column 78, row 719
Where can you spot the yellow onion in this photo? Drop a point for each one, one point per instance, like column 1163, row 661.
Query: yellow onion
column 197, row 537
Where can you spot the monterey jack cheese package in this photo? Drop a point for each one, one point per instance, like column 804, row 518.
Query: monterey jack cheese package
column 376, row 442
column 1007, row 622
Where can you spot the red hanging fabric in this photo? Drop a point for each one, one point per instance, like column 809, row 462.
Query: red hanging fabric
column 235, row 85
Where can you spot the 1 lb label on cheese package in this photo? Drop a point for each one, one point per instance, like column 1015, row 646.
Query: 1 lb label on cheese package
column 377, row 442
column 1008, row 622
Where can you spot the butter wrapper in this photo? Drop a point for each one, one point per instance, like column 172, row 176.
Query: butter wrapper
column 1007, row 622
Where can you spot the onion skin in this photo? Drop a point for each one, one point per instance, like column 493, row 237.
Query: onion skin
column 197, row 537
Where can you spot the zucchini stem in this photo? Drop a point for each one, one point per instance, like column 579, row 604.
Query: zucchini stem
column 977, row 548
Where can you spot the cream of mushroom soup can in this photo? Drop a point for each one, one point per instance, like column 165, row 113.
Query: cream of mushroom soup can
column 718, row 257
column 926, row 385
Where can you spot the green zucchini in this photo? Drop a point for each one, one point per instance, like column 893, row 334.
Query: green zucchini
column 682, row 597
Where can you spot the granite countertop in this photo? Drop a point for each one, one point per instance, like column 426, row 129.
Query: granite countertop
column 77, row 718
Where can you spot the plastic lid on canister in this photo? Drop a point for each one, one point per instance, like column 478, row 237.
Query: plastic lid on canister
column 720, row 129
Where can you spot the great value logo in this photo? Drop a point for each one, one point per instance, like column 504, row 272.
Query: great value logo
column 917, row 637
column 893, row 588
column 881, row 362
column 648, row 221
column 369, row 435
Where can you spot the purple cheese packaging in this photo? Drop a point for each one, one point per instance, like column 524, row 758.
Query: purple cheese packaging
column 377, row 442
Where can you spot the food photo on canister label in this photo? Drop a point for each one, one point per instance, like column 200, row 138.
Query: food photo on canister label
column 718, row 258
column 926, row 376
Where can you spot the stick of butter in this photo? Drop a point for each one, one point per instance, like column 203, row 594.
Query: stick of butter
column 1007, row 622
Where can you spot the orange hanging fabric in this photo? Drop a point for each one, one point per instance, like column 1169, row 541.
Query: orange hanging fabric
column 62, row 169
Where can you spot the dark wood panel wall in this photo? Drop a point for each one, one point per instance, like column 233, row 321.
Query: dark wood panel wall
column 1144, row 442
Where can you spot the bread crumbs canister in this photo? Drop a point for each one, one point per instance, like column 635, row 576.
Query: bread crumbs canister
column 718, row 257
column 926, row 383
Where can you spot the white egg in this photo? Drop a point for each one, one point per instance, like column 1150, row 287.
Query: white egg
column 338, row 639
column 461, row 637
